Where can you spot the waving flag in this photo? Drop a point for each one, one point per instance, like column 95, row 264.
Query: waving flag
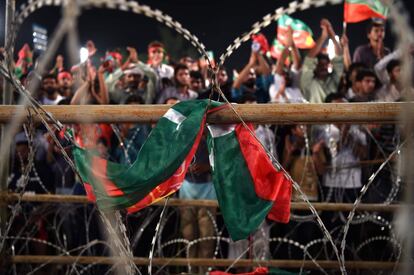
column 247, row 185
column 302, row 34
column 360, row 10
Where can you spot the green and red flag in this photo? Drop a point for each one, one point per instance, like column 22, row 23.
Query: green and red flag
column 302, row 34
column 276, row 51
column 360, row 10
column 160, row 166
column 248, row 186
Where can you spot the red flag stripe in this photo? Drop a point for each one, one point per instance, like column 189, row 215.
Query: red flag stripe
column 280, row 210
column 99, row 166
column 269, row 183
column 266, row 178
column 359, row 12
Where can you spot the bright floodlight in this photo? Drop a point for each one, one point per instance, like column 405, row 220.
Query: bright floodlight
column 84, row 54
column 331, row 47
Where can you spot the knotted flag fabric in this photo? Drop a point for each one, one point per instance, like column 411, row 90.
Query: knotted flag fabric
column 302, row 34
column 160, row 166
column 360, row 10
column 248, row 187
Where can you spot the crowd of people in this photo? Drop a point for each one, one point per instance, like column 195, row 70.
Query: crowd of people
column 330, row 162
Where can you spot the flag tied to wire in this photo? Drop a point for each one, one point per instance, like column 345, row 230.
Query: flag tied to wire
column 360, row 10
column 249, row 188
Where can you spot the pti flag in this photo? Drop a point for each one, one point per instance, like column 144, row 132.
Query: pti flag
column 160, row 166
column 302, row 34
column 248, row 187
column 360, row 10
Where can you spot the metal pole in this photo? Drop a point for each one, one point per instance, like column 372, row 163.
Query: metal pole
column 7, row 99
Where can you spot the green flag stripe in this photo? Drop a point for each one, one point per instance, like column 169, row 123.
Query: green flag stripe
column 243, row 211
column 375, row 5
column 296, row 24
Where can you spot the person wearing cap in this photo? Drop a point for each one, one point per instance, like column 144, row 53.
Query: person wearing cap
column 65, row 84
column 134, row 84
column 132, row 77
column 371, row 53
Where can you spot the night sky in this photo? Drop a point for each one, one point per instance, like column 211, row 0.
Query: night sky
column 216, row 23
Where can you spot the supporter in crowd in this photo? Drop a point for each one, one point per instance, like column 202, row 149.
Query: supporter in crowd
column 92, row 91
column 190, row 63
column 352, row 86
column 197, row 82
column 225, row 84
column 367, row 87
column 156, row 57
column 40, row 180
column 336, row 152
column 181, row 90
column 372, row 52
column 285, row 88
column 50, row 91
column 255, row 78
column 316, row 81
column 131, row 78
column 296, row 162
column 65, row 84
column 388, row 71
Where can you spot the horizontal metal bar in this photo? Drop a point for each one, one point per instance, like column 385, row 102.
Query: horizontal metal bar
column 202, row 262
column 320, row 206
column 256, row 113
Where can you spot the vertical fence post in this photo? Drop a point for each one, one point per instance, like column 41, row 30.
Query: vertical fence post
column 7, row 99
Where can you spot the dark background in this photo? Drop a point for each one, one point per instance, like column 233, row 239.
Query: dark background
column 216, row 23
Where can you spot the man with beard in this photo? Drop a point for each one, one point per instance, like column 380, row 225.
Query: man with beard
column 181, row 90
column 316, row 82
column 248, row 82
column 65, row 82
column 50, row 92
column 135, row 84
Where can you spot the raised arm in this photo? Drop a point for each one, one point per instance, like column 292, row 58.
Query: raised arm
column 102, row 96
column 332, row 36
column 263, row 67
column 347, row 53
column 321, row 40
column 243, row 75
